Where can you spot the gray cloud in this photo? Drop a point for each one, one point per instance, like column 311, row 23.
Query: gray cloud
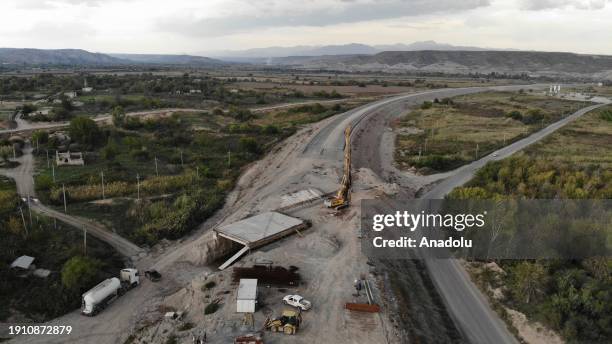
column 339, row 12
column 53, row 4
column 537, row 5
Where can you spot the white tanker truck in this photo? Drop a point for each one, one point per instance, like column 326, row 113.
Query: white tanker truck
column 108, row 290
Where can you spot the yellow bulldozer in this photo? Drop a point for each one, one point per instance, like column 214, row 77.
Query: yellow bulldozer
column 341, row 199
column 288, row 322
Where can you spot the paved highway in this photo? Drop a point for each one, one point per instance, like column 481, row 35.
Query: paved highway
column 464, row 302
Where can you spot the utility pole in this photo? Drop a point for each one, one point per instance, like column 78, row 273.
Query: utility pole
column 53, row 172
column 197, row 172
column 14, row 154
column 138, row 185
column 47, row 158
column 477, row 151
column 84, row 241
column 25, row 228
column 425, row 147
column 156, row 171
column 30, row 211
column 102, row 175
column 36, row 145
column 420, row 148
column 229, row 159
column 182, row 158
column 64, row 192
column 504, row 139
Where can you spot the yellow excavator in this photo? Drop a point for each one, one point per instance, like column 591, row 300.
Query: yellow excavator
column 341, row 200
column 288, row 322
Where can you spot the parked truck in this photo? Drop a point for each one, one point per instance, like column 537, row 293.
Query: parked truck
column 100, row 296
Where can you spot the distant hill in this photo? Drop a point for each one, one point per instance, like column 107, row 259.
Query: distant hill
column 168, row 59
column 41, row 57
column 260, row 54
column 511, row 62
column 78, row 57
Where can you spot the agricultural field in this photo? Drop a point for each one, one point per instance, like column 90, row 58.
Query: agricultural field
column 447, row 133
column 163, row 176
column 571, row 297
column 55, row 247
column 354, row 85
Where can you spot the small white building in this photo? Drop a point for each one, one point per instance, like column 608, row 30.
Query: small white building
column 247, row 296
column 69, row 159
column 70, row 95
column 23, row 263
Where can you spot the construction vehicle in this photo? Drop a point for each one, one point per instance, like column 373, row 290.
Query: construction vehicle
column 341, row 199
column 107, row 291
column 288, row 322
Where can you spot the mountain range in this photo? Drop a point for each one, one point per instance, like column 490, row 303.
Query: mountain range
column 554, row 64
column 350, row 58
column 78, row 57
column 259, row 54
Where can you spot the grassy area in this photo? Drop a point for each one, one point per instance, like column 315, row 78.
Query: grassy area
column 571, row 297
column 52, row 245
column 586, row 142
column 448, row 133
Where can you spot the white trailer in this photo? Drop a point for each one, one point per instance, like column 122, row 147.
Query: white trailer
column 108, row 290
column 246, row 299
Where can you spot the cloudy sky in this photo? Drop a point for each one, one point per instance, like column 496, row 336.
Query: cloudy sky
column 195, row 26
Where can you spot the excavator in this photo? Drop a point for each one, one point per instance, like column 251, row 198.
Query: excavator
column 288, row 322
column 341, row 199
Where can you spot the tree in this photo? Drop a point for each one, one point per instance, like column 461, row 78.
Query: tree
column 40, row 136
column 110, row 151
column 85, row 130
column 80, row 272
column 528, row 281
column 118, row 115
column 27, row 109
column 249, row 145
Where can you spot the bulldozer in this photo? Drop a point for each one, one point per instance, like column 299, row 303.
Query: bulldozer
column 288, row 322
column 341, row 199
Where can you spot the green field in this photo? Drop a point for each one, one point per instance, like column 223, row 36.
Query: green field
column 448, row 133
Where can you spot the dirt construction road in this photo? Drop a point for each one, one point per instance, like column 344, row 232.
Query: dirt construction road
column 311, row 158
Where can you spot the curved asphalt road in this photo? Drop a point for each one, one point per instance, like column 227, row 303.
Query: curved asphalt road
column 465, row 303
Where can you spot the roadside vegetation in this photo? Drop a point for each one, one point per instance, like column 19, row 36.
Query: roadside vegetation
column 447, row 133
column 572, row 297
column 163, row 176
column 55, row 247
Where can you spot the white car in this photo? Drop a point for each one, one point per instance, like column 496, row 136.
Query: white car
column 297, row 301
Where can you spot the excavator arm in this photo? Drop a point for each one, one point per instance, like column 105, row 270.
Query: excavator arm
column 342, row 195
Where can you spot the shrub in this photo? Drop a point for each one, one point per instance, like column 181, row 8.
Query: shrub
column 79, row 273
column 211, row 308
column 606, row 115
column 44, row 182
column 426, row 105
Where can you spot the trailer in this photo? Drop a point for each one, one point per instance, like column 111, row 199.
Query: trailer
column 107, row 291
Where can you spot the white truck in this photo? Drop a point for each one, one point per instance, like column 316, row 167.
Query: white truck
column 108, row 290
